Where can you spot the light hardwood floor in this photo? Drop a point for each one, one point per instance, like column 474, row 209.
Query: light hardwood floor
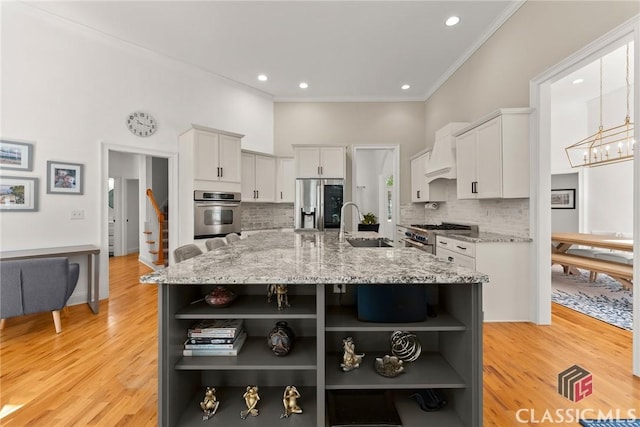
column 102, row 369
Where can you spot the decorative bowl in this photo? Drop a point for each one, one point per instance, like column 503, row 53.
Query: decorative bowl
column 220, row 296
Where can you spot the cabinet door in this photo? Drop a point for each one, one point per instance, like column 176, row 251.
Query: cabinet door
column 248, row 177
column 307, row 162
column 229, row 155
column 206, row 156
column 265, row 178
column 489, row 159
column 466, row 165
column 285, row 181
column 418, row 180
column 332, row 162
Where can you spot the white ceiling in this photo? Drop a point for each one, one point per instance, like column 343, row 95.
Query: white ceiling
column 345, row 50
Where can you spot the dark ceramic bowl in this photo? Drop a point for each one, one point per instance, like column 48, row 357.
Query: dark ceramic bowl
column 220, row 297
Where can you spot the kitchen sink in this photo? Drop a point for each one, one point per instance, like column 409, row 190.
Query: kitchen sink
column 368, row 243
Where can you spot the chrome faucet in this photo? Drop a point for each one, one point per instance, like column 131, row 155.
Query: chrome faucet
column 341, row 233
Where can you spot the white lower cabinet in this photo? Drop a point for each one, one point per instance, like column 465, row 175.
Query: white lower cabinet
column 506, row 297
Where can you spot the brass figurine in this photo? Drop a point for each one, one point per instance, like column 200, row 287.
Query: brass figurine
column 389, row 366
column 210, row 404
column 290, row 401
column 251, row 399
column 280, row 290
column 350, row 360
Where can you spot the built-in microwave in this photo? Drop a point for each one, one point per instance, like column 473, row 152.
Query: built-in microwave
column 215, row 213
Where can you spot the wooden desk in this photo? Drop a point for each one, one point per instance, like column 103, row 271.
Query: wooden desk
column 93, row 264
column 623, row 273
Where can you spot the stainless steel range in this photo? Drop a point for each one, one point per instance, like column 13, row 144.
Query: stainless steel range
column 423, row 236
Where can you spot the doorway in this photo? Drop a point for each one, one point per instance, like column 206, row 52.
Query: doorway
column 132, row 172
column 375, row 183
column 540, row 202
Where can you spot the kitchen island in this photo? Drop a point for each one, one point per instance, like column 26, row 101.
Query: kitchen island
column 311, row 264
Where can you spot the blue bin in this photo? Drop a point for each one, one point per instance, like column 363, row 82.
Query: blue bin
column 391, row 303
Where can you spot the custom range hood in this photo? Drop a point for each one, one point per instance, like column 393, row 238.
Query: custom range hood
column 442, row 162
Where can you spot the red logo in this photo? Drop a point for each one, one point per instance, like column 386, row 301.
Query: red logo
column 575, row 383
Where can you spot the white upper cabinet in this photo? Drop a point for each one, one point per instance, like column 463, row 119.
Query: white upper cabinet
column 492, row 156
column 216, row 155
column 320, row 161
column 258, row 177
column 421, row 191
column 285, row 180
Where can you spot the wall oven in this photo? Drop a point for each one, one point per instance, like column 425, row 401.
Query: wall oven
column 216, row 213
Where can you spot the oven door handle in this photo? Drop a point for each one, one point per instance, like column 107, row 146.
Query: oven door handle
column 216, row 204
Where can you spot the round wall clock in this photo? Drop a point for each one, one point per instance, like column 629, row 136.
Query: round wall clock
column 141, row 124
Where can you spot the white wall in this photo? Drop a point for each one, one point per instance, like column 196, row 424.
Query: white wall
column 67, row 89
column 369, row 123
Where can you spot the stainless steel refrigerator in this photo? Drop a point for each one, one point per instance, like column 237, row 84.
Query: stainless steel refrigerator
column 318, row 203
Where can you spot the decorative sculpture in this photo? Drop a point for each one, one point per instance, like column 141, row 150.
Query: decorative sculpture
column 209, row 405
column 405, row 346
column 389, row 366
column 290, row 401
column 251, row 399
column 350, row 360
column 280, row 290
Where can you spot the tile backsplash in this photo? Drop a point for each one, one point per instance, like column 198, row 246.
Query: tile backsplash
column 504, row 216
column 260, row 216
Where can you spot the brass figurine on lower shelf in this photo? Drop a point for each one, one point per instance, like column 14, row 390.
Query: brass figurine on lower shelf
column 290, row 401
column 389, row 366
column 350, row 360
column 281, row 292
column 209, row 405
column 251, row 399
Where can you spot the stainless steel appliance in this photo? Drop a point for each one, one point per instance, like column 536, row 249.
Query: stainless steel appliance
column 423, row 236
column 215, row 213
column 317, row 203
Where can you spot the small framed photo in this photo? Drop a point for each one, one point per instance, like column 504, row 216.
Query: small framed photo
column 64, row 178
column 16, row 155
column 563, row 198
column 18, row 194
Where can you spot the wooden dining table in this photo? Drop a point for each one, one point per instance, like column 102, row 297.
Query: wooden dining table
column 561, row 242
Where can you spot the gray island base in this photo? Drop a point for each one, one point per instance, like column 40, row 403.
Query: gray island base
column 310, row 264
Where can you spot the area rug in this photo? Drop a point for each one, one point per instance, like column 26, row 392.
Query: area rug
column 604, row 299
column 611, row 423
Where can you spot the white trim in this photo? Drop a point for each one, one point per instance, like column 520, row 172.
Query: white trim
column 540, row 219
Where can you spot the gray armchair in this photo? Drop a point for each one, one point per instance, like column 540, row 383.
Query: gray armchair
column 35, row 286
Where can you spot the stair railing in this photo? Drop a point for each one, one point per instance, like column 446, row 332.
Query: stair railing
column 156, row 230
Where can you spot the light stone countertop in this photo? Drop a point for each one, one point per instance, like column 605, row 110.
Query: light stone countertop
column 483, row 237
column 312, row 258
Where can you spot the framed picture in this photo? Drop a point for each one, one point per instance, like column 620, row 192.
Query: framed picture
column 64, row 178
column 16, row 155
column 563, row 198
column 18, row 194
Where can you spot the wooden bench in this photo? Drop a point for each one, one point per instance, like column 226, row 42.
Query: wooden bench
column 621, row 272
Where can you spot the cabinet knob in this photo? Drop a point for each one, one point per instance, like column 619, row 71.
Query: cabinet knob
column 462, row 248
column 450, row 258
column 418, row 194
column 281, row 195
column 221, row 172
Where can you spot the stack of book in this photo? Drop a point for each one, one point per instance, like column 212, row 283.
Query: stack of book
column 215, row 337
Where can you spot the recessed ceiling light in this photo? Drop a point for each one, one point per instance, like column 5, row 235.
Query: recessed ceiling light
column 405, row 87
column 451, row 21
column 263, row 78
column 577, row 81
column 303, row 85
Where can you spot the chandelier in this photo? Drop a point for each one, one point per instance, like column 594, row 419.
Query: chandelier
column 606, row 146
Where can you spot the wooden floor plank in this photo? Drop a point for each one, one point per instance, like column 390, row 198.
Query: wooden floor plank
column 102, row 369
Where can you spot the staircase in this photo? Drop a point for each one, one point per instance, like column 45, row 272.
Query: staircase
column 157, row 231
